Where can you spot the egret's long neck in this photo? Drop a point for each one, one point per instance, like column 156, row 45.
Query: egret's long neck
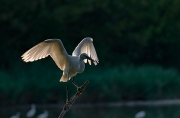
column 81, row 58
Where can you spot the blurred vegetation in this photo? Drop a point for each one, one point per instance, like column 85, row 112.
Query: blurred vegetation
column 106, row 85
column 131, row 33
column 135, row 32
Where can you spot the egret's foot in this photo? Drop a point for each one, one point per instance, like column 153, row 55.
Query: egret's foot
column 67, row 105
column 80, row 89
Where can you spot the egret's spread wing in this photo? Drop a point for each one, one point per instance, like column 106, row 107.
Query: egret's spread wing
column 52, row 47
column 86, row 46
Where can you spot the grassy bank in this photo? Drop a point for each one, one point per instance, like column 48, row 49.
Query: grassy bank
column 41, row 85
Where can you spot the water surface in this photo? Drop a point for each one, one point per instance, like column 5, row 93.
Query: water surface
column 96, row 112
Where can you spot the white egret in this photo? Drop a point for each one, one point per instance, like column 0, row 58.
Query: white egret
column 70, row 65
column 32, row 111
column 16, row 116
column 140, row 114
column 43, row 115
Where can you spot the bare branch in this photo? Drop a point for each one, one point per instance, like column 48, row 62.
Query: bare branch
column 68, row 105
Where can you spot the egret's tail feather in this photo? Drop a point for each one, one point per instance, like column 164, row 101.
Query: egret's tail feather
column 64, row 78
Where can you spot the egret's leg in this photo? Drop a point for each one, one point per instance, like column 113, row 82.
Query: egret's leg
column 67, row 91
column 74, row 83
column 79, row 88
column 68, row 103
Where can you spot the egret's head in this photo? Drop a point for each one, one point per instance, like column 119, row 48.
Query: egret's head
column 85, row 56
column 33, row 105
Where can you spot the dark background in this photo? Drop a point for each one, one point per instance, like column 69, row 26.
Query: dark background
column 131, row 38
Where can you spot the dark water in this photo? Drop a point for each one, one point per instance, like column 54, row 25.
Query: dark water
column 97, row 112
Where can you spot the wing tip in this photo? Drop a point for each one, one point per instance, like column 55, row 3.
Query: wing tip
column 89, row 38
column 54, row 39
column 96, row 62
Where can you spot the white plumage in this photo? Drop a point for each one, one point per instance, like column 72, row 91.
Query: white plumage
column 43, row 115
column 16, row 116
column 32, row 111
column 140, row 114
column 70, row 65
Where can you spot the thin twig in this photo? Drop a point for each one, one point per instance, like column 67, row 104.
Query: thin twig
column 68, row 105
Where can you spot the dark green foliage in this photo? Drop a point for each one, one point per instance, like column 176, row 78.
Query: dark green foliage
column 135, row 32
column 124, row 32
column 108, row 84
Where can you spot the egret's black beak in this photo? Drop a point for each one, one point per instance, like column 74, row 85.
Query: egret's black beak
column 90, row 58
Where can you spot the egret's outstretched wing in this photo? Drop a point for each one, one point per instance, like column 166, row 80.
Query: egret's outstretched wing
column 52, row 47
column 86, row 46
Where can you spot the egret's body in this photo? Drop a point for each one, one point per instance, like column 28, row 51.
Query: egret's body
column 74, row 66
column 70, row 65
column 43, row 115
column 16, row 116
column 140, row 114
column 31, row 112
